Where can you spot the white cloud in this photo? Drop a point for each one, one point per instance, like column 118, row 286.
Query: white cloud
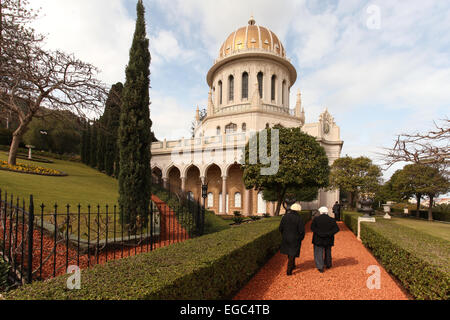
column 170, row 119
column 166, row 48
column 99, row 32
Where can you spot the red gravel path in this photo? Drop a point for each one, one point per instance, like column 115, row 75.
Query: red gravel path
column 346, row 280
column 171, row 232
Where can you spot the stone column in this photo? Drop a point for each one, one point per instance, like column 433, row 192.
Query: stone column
column 247, row 203
column 183, row 184
column 223, row 210
column 166, row 182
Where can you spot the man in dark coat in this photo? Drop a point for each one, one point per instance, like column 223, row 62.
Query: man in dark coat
column 324, row 228
column 337, row 211
column 292, row 231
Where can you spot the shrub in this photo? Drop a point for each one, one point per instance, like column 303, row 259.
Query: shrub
column 238, row 219
column 214, row 266
column 420, row 261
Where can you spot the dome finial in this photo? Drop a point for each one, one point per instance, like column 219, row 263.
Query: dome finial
column 252, row 21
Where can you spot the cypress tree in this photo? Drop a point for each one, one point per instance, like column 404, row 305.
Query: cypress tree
column 93, row 146
column 88, row 144
column 112, row 125
column 134, row 132
column 83, row 142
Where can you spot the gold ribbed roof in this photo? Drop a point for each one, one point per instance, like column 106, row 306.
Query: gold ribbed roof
column 252, row 36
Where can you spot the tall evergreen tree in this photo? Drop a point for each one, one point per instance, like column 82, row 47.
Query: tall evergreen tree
column 88, row 143
column 83, row 141
column 93, row 146
column 134, row 131
column 112, row 156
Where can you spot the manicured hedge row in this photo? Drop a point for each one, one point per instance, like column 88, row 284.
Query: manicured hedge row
column 214, row 266
column 423, row 214
column 421, row 262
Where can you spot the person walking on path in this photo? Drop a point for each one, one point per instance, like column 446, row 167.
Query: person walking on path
column 337, row 211
column 324, row 228
column 292, row 231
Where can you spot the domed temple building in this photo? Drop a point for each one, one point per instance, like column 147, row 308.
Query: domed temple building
column 250, row 86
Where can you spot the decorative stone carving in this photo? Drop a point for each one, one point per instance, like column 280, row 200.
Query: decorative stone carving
column 327, row 122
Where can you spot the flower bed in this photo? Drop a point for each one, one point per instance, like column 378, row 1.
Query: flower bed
column 24, row 168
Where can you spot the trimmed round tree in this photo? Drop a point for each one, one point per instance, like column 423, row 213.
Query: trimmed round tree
column 355, row 176
column 134, row 132
column 421, row 180
column 302, row 166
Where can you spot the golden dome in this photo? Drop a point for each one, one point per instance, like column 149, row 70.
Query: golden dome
column 252, row 36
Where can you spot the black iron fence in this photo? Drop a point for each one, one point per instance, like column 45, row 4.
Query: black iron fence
column 42, row 242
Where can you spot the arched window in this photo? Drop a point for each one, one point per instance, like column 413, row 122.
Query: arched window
column 230, row 88
column 283, row 94
column 237, row 200
column 218, row 131
column 244, row 127
column 220, row 92
column 260, row 84
column 273, row 87
column 245, row 85
column 231, row 128
column 210, row 203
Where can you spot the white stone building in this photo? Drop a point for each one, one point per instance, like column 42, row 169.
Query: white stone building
column 250, row 86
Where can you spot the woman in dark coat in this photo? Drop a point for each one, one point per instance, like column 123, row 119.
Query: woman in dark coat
column 292, row 231
column 324, row 228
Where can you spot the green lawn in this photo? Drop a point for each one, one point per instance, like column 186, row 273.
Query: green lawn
column 83, row 185
column 436, row 229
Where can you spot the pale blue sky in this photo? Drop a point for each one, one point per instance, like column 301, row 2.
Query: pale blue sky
column 375, row 82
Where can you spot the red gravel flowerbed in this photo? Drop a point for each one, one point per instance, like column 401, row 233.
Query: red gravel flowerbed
column 346, row 280
column 171, row 232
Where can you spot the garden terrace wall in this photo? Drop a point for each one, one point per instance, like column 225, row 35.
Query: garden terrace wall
column 418, row 260
column 214, row 266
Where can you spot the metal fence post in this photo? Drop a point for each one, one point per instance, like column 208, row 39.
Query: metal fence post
column 30, row 241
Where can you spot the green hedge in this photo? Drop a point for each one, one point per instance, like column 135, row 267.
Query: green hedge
column 423, row 214
column 214, row 266
column 420, row 261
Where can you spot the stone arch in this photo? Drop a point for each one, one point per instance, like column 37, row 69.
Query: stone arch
column 157, row 174
column 213, row 177
column 166, row 170
column 193, row 181
column 204, row 170
column 174, row 178
column 235, row 184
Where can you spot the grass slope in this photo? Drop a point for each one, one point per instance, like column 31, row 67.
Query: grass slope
column 83, row 185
